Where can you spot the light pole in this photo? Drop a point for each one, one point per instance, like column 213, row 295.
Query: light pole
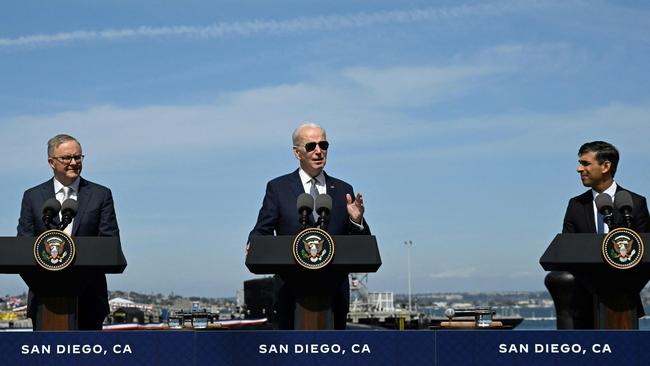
column 409, row 244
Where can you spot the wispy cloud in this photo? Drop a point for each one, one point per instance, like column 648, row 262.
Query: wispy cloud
column 454, row 273
column 300, row 24
column 522, row 274
column 414, row 86
column 347, row 100
column 350, row 102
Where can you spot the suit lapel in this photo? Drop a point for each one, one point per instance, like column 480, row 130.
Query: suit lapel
column 618, row 218
column 47, row 192
column 588, row 206
column 589, row 210
column 330, row 188
column 296, row 184
column 82, row 199
column 297, row 189
column 333, row 191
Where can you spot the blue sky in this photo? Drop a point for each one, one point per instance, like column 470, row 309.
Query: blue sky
column 459, row 122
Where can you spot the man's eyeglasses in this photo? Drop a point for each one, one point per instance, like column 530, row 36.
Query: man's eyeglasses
column 68, row 158
column 311, row 146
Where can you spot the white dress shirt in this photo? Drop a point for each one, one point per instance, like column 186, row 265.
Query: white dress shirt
column 610, row 191
column 59, row 194
column 306, row 181
column 320, row 186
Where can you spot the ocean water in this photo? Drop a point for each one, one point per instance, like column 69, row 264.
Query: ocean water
column 527, row 324
column 538, row 318
column 544, row 318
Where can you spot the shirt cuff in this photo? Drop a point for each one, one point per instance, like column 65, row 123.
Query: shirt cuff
column 360, row 226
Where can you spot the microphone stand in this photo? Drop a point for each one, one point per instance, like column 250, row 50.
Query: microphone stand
column 627, row 217
column 323, row 219
column 304, row 213
column 628, row 221
column 47, row 220
column 65, row 221
column 609, row 220
column 50, row 224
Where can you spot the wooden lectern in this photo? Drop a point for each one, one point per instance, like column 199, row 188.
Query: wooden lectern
column 273, row 255
column 616, row 291
column 58, row 290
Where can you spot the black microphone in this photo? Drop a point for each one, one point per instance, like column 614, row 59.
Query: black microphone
column 605, row 207
column 624, row 205
column 323, row 209
column 51, row 209
column 305, row 205
column 69, row 209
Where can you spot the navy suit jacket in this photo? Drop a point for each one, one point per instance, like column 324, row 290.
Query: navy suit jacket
column 95, row 217
column 579, row 217
column 279, row 214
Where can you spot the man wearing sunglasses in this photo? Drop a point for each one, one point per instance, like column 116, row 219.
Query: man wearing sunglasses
column 95, row 217
column 278, row 215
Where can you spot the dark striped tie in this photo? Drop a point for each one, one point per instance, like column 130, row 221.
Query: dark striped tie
column 313, row 191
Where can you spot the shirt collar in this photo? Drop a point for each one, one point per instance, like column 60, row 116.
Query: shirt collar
column 611, row 191
column 58, row 186
column 306, row 178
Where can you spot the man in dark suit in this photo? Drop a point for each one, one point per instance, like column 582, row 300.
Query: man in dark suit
column 95, row 217
column 279, row 216
column 597, row 165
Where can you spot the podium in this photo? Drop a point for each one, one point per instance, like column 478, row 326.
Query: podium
column 58, row 290
column 616, row 291
column 313, row 305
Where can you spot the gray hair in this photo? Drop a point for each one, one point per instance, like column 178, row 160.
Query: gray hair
column 58, row 140
column 296, row 132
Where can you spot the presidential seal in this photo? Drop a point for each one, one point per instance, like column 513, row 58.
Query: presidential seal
column 313, row 248
column 623, row 248
column 54, row 250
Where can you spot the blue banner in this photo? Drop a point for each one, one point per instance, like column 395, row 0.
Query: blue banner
column 543, row 348
column 329, row 348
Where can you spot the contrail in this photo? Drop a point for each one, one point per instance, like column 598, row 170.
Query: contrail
column 248, row 28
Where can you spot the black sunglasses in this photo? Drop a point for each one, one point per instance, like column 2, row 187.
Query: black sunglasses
column 68, row 158
column 311, row 146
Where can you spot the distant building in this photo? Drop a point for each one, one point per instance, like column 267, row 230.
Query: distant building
column 119, row 302
column 453, row 297
column 381, row 301
column 240, row 298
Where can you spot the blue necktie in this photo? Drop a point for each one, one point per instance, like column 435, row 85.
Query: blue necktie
column 601, row 224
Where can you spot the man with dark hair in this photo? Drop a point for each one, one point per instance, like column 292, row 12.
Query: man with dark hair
column 95, row 217
column 279, row 216
column 597, row 164
column 603, row 152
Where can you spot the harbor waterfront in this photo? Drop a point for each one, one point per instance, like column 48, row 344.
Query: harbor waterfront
column 533, row 308
column 534, row 340
column 544, row 319
column 438, row 348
